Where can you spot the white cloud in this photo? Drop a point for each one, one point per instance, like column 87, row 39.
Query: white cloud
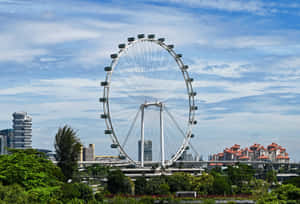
column 227, row 5
column 53, row 33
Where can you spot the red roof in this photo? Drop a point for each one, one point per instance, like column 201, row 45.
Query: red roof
column 255, row 145
column 236, row 146
column 263, row 157
column 273, row 145
column 244, row 157
column 262, row 147
column 282, row 157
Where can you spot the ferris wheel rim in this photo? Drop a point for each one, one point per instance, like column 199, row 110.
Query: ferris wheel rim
column 188, row 81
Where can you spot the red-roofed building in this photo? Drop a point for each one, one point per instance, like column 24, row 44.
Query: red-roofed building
column 255, row 152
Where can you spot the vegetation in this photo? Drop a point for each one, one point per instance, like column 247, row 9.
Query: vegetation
column 67, row 147
column 118, row 183
column 295, row 181
column 27, row 176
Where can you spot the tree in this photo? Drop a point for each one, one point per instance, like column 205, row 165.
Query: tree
column 30, row 169
column 79, row 191
column 240, row 174
column 295, row 181
column 67, row 146
column 203, row 184
column 271, row 177
column 140, row 185
column 221, row 185
column 156, row 186
column 179, row 182
column 117, row 182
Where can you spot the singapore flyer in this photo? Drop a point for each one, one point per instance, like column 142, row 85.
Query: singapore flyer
column 148, row 99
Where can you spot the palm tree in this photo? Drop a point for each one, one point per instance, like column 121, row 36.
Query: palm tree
column 67, row 146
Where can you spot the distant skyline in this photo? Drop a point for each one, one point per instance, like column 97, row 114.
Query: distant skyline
column 243, row 55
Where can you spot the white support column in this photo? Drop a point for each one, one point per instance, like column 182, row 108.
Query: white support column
column 142, row 135
column 162, row 143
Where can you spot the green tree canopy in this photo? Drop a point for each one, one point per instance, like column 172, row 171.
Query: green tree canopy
column 117, row 182
column 29, row 168
column 67, row 146
column 157, row 186
column 140, row 185
column 179, row 182
column 295, row 181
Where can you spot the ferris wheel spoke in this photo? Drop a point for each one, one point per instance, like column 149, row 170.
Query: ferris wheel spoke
column 180, row 130
column 131, row 128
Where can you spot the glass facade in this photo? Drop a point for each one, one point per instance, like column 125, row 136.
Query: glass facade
column 22, row 126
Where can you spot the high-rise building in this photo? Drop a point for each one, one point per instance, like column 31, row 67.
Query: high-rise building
column 186, row 156
column 147, row 150
column 22, row 125
column 3, row 144
column 7, row 140
column 89, row 153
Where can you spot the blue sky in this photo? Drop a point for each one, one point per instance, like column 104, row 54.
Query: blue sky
column 243, row 55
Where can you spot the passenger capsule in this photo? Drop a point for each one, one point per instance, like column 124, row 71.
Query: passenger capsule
column 185, row 67
column 107, row 69
column 131, row 39
column 192, row 135
column 194, row 122
column 187, row 148
column 170, row 46
column 178, row 55
column 104, row 83
column 151, row 36
column 193, row 94
column 161, row 39
column 113, row 56
column 140, row 36
column 194, row 107
column 107, row 132
column 190, row 79
column 122, row 157
column 102, row 100
column 104, row 116
column 113, row 145
column 122, row 46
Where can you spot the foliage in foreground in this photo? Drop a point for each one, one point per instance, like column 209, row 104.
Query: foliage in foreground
column 67, row 146
column 29, row 169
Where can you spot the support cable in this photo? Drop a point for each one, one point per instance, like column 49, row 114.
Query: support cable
column 181, row 131
column 131, row 128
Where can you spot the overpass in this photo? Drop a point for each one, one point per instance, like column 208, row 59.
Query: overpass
column 124, row 164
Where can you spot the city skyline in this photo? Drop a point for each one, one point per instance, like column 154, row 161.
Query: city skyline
column 244, row 57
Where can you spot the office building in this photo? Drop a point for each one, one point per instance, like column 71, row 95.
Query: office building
column 186, row 156
column 22, row 130
column 87, row 153
column 147, row 150
column 6, row 137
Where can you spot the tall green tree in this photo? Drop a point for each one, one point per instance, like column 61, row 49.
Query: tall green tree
column 67, row 146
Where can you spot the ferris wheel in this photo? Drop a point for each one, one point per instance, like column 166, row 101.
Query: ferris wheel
column 148, row 98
